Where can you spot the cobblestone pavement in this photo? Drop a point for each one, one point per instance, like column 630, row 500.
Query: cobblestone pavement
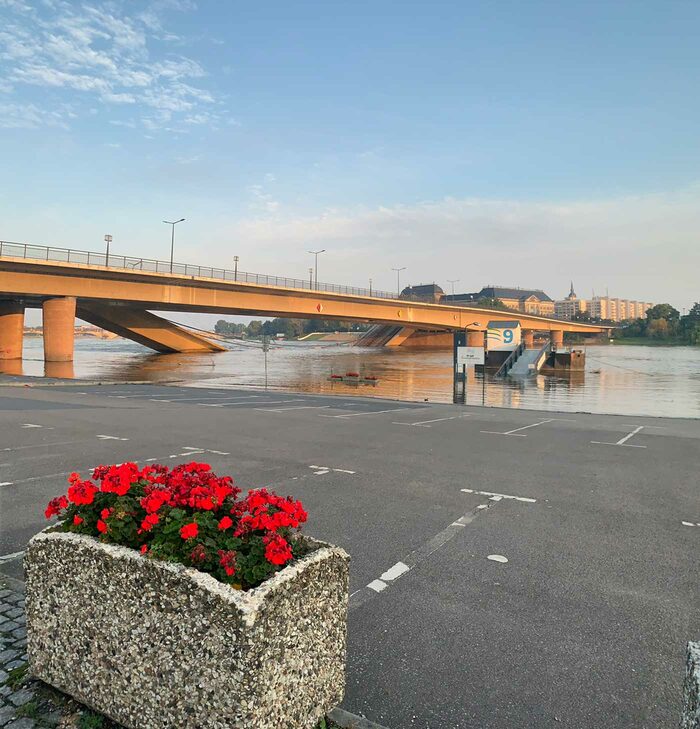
column 25, row 703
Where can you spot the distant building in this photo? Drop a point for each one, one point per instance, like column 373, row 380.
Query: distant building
column 529, row 301
column 603, row 307
column 600, row 307
column 430, row 293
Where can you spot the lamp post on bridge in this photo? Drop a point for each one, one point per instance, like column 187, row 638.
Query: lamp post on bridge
column 172, row 239
column 315, row 255
column 235, row 268
column 370, row 287
column 108, row 240
column 311, row 278
column 398, row 279
column 453, row 281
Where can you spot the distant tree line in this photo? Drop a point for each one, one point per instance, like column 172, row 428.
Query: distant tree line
column 291, row 328
column 663, row 322
column 487, row 302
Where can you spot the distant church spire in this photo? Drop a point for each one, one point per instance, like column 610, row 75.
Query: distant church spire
column 572, row 293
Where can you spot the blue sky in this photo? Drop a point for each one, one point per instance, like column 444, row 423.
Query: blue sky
column 498, row 142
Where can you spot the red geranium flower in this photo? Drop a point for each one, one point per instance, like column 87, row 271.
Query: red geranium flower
column 277, row 550
column 77, row 520
column 149, row 522
column 82, row 492
column 227, row 559
column 189, row 531
column 225, row 523
column 101, row 526
column 144, row 548
column 56, row 506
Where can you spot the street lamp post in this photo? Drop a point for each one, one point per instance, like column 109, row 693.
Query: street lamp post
column 370, row 287
column 315, row 254
column 173, row 223
column 108, row 240
column 235, row 268
column 453, row 281
column 311, row 278
column 398, row 279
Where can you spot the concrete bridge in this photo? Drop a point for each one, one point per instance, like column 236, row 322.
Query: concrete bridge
column 118, row 293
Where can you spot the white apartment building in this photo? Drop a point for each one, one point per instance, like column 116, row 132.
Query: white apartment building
column 601, row 307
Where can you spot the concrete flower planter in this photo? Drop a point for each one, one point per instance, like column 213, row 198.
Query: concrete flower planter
column 155, row 644
column 691, row 691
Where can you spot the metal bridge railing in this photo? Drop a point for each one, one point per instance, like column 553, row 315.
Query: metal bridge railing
column 132, row 263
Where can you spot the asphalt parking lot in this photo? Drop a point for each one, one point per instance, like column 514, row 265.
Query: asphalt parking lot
column 511, row 568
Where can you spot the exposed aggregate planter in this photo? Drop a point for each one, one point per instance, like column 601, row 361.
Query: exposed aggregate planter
column 153, row 644
column 691, row 689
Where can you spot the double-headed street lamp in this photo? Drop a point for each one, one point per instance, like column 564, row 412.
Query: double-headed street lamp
column 315, row 254
column 172, row 238
column 108, row 240
column 398, row 279
column 453, row 281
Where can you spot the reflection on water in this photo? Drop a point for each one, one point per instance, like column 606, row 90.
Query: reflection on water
column 634, row 380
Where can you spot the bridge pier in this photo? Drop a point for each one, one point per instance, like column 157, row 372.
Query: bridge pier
column 529, row 338
column 557, row 337
column 59, row 329
column 11, row 330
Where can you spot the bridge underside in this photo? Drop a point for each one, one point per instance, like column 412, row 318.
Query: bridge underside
column 145, row 328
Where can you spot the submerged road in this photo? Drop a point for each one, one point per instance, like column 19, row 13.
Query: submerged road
column 511, row 568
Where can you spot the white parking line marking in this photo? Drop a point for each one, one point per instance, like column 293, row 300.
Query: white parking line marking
column 526, row 499
column 690, row 523
column 393, row 572
column 205, row 397
column 497, row 558
column 377, row 585
column 11, row 556
column 220, row 405
column 30, row 425
column 296, row 407
column 515, row 431
column 6, row 483
column 354, row 415
column 321, row 470
column 110, row 437
column 426, row 423
column 241, row 402
column 623, row 441
column 42, row 445
column 359, row 597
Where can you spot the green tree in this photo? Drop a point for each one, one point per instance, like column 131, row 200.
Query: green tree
column 632, row 328
column 487, row 302
column 663, row 311
column 690, row 325
column 659, row 329
column 255, row 328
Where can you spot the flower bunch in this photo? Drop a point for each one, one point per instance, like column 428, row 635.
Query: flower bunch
column 186, row 514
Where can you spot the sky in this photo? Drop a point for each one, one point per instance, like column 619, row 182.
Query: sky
column 508, row 143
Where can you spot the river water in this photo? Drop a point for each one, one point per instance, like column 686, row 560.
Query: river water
column 619, row 379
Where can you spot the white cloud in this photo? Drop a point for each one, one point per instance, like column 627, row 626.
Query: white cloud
column 30, row 116
column 639, row 247
column 103, row 51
